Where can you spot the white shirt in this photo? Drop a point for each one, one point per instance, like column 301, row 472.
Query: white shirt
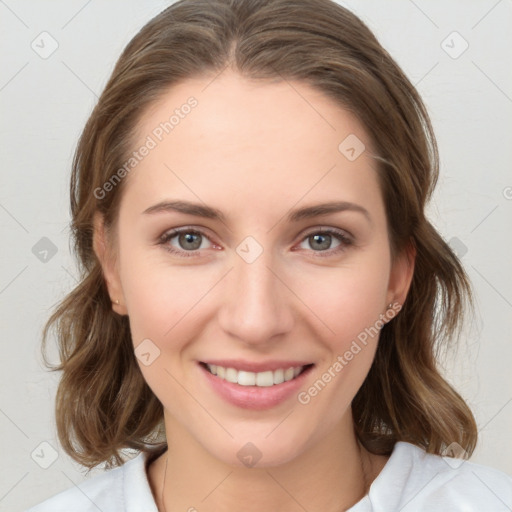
column 411, row 481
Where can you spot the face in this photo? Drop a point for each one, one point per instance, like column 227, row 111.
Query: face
column 223, row 260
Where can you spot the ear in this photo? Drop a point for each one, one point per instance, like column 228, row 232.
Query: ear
column 105, row 254
column 401, row 274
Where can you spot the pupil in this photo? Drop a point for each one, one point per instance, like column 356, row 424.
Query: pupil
column 324, row 241
column 193, row 240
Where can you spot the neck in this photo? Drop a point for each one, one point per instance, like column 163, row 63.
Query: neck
column 330, row 476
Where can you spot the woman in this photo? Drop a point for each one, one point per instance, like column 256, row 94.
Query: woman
column 262, row 294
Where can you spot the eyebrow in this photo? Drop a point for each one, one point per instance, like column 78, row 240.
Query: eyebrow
column 208, row 212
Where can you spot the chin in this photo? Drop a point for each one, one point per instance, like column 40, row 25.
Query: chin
column 258, row 449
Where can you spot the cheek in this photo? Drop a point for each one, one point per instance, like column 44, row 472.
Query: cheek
column 347, row 299
column 350, row 303
column 158, row 295
column 163, row 303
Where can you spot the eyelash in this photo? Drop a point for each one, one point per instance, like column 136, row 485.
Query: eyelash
column 344, row 240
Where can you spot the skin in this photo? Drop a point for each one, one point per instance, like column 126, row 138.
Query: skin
column 255, row 151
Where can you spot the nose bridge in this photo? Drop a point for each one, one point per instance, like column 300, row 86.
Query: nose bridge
column 255, row 306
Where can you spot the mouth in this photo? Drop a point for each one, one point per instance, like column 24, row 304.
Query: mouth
column 267, row 378
column 256, row 386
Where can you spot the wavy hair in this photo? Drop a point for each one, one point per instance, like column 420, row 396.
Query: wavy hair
column 103, row 404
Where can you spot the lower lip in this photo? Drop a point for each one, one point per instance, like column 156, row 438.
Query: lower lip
column 255, row 397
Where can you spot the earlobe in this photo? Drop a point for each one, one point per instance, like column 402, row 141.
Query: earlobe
column 102, row 249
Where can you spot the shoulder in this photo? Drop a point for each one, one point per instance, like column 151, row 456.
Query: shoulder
column 415, row 481
column 102, row 492
column 456, row 482
column 110, row 491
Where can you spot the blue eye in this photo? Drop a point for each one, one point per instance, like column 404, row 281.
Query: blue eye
column 190, row 242
column 321, row 241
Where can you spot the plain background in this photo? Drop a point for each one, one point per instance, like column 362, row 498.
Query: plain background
column 45, row 103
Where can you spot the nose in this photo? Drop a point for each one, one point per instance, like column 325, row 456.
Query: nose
column 256, row 305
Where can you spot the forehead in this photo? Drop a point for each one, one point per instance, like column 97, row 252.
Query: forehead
column 226, row 138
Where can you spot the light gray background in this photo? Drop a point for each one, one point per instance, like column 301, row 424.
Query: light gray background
column 45, row 103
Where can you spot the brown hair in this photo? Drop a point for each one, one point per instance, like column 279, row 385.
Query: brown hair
column 103, row 404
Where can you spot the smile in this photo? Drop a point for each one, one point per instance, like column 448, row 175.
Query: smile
column 255, row 385
column 262, row 379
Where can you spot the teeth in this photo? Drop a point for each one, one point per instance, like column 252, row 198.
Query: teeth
column 265, row 379
column 244, row 378
column 278, row 376
column 288, row 374
column 262, row 379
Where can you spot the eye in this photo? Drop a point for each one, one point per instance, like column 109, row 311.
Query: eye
column 321, row 241
column 184, row 241
column 188, row 242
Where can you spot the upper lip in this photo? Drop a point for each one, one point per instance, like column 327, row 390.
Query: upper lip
column 256, row 367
